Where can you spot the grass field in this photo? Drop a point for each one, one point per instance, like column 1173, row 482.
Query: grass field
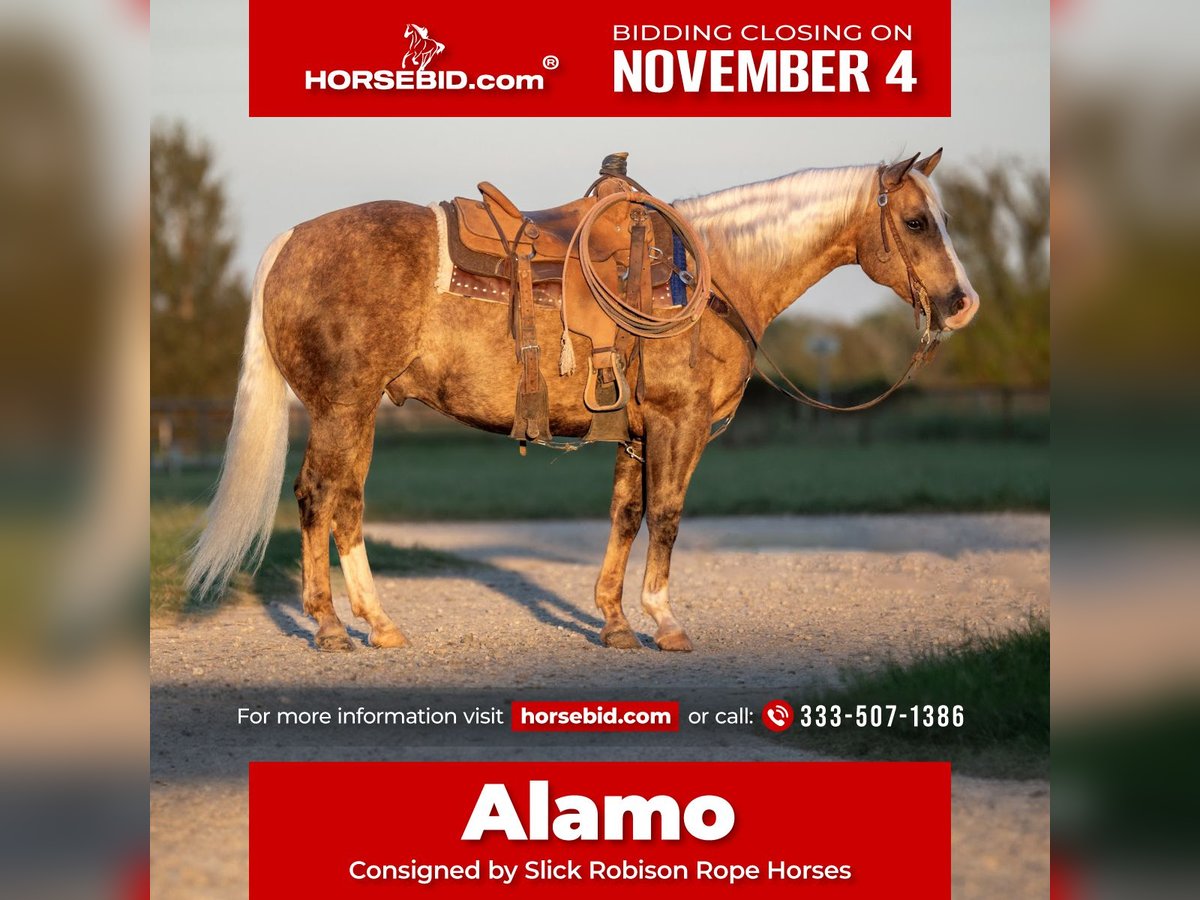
column 483, row 477
column 1002, row 683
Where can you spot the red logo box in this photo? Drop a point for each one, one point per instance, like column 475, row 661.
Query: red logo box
column 381, row 58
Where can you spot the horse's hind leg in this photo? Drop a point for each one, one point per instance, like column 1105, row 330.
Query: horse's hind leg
column 672, row 451
column 315, row 487
column 329, row 492
column 626, row 513
column 352, row 551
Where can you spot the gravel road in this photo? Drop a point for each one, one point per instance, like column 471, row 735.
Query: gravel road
column 774, row 606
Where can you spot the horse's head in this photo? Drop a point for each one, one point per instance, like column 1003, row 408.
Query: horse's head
column 416, row 31
column 903, row 244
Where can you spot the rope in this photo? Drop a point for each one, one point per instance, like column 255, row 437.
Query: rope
column 638, row 322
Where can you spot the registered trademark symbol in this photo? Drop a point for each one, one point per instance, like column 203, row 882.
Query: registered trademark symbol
column 550, row 62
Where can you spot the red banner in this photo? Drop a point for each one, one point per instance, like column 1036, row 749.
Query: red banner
column 846, row 830
column 381, row 58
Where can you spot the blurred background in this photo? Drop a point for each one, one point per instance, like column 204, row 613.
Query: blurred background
column 75, row 348
column 1126, row 665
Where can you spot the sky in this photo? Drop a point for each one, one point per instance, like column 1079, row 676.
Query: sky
column 282, row 171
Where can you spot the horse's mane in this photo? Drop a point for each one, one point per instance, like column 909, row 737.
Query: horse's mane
column 776, row 218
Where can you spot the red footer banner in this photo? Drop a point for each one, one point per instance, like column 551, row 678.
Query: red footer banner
column 847, row 830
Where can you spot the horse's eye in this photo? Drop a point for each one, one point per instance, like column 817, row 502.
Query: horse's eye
column 914, row 224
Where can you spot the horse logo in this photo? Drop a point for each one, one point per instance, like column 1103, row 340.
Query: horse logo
column 421, row 47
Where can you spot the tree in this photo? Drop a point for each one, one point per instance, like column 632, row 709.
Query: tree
column 1000, row 223
column 198, row 303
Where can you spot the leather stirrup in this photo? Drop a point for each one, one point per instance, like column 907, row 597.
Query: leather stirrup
column 590, row 391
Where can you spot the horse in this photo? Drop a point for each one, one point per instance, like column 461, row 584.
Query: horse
column 421, row 48
column 345, row 309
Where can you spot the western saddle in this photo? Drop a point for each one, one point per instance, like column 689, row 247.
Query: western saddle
column 570, row 258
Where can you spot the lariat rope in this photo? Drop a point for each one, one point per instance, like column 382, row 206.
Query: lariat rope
column 638, row 322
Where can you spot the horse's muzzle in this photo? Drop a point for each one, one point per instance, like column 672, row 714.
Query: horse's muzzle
column 960, row 309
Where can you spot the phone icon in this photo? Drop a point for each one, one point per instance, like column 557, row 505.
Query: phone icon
column 778, row 715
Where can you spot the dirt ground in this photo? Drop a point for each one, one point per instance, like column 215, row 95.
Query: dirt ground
column 774, row 605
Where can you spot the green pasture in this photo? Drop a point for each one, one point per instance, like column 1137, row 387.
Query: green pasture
column 469, row 476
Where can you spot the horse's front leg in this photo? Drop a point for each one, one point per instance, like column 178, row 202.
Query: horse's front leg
column 626, row 514
column 673, row 448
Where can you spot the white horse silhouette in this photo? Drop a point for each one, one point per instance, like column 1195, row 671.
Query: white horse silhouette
column 421, row 48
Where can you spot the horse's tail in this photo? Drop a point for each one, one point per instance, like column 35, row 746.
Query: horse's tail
column 242, row 511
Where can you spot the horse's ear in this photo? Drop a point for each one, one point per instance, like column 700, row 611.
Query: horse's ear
column 929, row 163
column 894, row 174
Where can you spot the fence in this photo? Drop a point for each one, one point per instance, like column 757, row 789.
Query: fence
column 189, row 433
column 992, row 413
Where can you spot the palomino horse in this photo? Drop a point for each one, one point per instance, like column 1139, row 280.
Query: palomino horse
column 345, row 309
column 421, row 47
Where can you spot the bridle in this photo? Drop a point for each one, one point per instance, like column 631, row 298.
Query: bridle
column 918, row 298
column 918, row 295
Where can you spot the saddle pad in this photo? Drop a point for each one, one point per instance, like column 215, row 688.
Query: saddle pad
column 546, row 294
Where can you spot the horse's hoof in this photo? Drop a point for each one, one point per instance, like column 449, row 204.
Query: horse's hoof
column 620, row 638
column 334, row 639
column 674, row 640
column 387, row 636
